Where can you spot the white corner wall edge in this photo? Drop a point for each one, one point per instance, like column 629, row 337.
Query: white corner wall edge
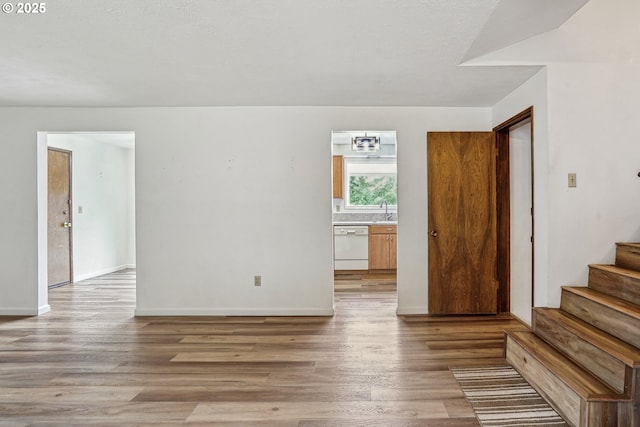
column 93, row 274
column 244, row 312
column 409, row 311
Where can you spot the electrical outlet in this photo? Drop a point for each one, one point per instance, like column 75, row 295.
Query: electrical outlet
column 257, row 280
column 573, row 181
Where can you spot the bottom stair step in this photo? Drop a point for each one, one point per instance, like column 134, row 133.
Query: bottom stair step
column 610, row 359
column 579, row 397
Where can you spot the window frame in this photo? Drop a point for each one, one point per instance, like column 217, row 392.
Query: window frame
column 360, row 160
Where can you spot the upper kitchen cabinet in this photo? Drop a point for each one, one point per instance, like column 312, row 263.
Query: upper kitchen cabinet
column 338, row 173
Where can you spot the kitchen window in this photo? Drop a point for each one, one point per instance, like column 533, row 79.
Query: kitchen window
column 370, row 182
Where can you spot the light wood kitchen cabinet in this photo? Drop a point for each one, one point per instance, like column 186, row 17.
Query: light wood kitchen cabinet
column 337, row 177
column 383, row 247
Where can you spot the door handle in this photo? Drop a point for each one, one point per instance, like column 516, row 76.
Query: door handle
column 66, row 225
column 434, row 233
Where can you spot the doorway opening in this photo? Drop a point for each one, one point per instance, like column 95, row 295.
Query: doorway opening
column 515, row 219
column 100, row 219
column 364, row 210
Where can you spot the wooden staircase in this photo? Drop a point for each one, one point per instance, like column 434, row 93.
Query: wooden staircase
column 584, row 357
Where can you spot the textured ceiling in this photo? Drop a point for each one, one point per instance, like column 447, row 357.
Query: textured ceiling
column 261, row 52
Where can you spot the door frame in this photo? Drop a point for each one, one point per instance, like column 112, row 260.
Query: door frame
column 42, row 212
column 70, row 164
column 503, row 208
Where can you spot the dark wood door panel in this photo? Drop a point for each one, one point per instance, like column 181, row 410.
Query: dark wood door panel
column 462, row 218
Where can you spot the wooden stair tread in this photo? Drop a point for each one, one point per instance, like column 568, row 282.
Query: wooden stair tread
column 635, row 245
column 632, row 274
column 576, row 378
column 628, row 255
column 622, row 351
column 625, row 307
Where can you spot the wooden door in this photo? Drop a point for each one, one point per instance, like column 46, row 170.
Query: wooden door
column 59, row 217
column 462, row 222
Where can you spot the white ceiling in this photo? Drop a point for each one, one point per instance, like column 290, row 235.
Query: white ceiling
column 266, row 52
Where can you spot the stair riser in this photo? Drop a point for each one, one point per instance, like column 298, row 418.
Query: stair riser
column 617, row 285
column 609, row 369
column 628, row 415
column 562, row 398
column 601, row 414
column 611, row 321
column 628, row 257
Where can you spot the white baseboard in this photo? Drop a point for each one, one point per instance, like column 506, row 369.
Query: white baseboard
column 18, row 312
column 81, row 277
column 521, row 320
column 234, row 312
column 25, row 311
column 408, row 311
column 130, row 266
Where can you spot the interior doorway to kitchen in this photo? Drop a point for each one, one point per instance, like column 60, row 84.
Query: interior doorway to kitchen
column 364, row 210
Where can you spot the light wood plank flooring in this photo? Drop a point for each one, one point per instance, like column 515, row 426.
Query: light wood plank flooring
column 90, row 362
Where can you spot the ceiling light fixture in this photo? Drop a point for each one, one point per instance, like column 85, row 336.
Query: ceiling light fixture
column 365, row 143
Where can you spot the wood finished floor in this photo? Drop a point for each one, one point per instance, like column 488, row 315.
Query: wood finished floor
column 90, row 362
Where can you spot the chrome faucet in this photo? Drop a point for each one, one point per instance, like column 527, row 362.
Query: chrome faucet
column 387, row 215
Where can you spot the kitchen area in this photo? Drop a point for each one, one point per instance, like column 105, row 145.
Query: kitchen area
column 365, row 203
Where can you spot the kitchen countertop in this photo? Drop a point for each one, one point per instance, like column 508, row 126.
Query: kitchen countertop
column 348, row 223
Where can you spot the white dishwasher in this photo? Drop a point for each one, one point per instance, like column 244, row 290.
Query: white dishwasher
column 351, row 247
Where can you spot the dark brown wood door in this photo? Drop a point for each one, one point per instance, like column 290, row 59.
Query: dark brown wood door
column 59, row 217
column 462, row 222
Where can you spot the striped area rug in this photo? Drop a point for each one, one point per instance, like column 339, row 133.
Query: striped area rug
column 501, row 397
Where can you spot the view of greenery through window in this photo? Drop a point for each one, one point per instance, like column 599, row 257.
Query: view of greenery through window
column 369, row 190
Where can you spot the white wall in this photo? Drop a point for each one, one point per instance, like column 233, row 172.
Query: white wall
column 594, row 133
column 592, row 98
column 223, row 194
column 103, row 185
column 521, row 250
column 594, row 102
column 18, row 238
column 533, row 93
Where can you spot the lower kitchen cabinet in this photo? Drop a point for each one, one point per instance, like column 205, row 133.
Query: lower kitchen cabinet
column 383, row 247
